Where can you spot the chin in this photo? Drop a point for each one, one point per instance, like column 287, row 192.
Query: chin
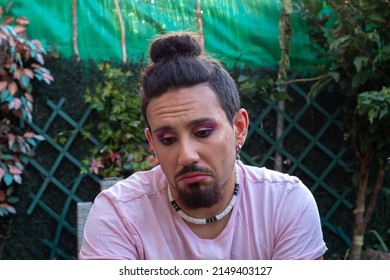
column 199, row 196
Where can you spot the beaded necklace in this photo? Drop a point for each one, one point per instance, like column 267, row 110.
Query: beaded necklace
column 192, row 220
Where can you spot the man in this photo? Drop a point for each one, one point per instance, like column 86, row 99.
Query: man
column 201, row 202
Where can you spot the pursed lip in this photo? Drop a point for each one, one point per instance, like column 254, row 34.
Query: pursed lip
column 191, row 178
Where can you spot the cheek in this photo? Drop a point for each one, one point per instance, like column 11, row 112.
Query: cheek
column 164, row 156
column 224, row 148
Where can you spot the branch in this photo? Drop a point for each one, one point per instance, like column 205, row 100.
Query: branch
column 199, row 23
column 74, row 25
column 305, row 80
column 375, row 193
column 123, row 33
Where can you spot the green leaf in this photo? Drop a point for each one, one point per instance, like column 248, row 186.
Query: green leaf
column 25, row 81
column 360, row 62
column 335, row 76
column 338, row 43
column 11, row 209
column 3, row 212
column 374, row 37
column 4, row 95
column 40, row 137
column 12, row 199
column 376, row 18
column 17, row 178
column 6, row 157
column 24, row 159
column 242, row 78
column 8, row 179
column 128, row 166
column 386, row 191
column 31, row 141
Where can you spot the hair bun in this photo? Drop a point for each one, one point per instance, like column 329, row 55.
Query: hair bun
column 171, row 45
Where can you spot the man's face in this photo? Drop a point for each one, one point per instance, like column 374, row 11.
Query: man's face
column 194, row 143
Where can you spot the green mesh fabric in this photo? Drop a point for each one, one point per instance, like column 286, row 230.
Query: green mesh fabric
column 241, row 33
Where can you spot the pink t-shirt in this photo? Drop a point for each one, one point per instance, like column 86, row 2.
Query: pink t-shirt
column 275, row 217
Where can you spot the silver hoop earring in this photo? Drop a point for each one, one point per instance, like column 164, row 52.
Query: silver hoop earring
column 238, row 151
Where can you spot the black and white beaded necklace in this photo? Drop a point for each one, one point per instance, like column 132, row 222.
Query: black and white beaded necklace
column 192, row 220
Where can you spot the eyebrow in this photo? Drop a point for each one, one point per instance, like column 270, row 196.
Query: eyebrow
column 191, row 123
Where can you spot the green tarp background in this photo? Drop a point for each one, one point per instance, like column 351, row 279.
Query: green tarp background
column 237, row 32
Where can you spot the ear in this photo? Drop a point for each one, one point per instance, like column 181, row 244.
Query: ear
column 241, row 123
column 149, row 137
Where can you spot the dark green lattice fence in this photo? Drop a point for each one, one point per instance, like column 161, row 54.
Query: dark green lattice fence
column 313, row 149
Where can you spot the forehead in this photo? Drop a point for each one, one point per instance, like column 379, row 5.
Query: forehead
column 184, row 105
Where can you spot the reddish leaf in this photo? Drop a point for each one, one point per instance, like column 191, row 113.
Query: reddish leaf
column 40, row 59
column 29, row 73
column 2, row 195
column 11, row 137
column 29, row 97
column 19, row 29
column 20, row 139
column 29, row 134
column 3, row 85
column 95, row 165
column 17, row 103
column 8, row 20
column 4, row 205
column 38, row 44
column 48, row 76
column 19, row 73
column 15, row 171
column 13, row 88
column 22, row 21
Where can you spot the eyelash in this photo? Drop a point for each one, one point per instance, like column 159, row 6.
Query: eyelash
column 207, row 130
column 166, row 140
column 203, row 132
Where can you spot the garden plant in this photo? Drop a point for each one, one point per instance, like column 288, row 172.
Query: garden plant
column 123, row 148
column 21, row 63
column 352, row 39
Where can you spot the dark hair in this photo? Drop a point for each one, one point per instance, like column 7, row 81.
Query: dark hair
column 178, row 61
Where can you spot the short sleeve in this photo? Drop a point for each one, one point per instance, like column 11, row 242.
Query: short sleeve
column 298, row 227
column 105, row 235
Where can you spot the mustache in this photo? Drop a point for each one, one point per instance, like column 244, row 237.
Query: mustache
column 192, row 168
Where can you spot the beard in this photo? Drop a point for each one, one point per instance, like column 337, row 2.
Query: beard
column 195, row 196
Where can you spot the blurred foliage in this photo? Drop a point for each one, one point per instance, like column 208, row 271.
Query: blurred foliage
column 21, row 61
column 352, row 39
column 120, row 126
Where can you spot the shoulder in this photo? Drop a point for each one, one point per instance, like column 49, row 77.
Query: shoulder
column 140, row 184
column 263, row 175
column 270, row 183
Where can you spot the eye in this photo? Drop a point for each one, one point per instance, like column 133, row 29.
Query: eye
column 166, row 139
column 204, row 132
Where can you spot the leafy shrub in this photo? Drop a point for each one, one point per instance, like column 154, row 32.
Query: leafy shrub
column 120, row 130
column 21, row 61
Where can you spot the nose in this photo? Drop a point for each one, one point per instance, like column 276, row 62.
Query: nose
column 188, row 154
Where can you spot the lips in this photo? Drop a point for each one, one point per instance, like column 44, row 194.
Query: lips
column 193, row 178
